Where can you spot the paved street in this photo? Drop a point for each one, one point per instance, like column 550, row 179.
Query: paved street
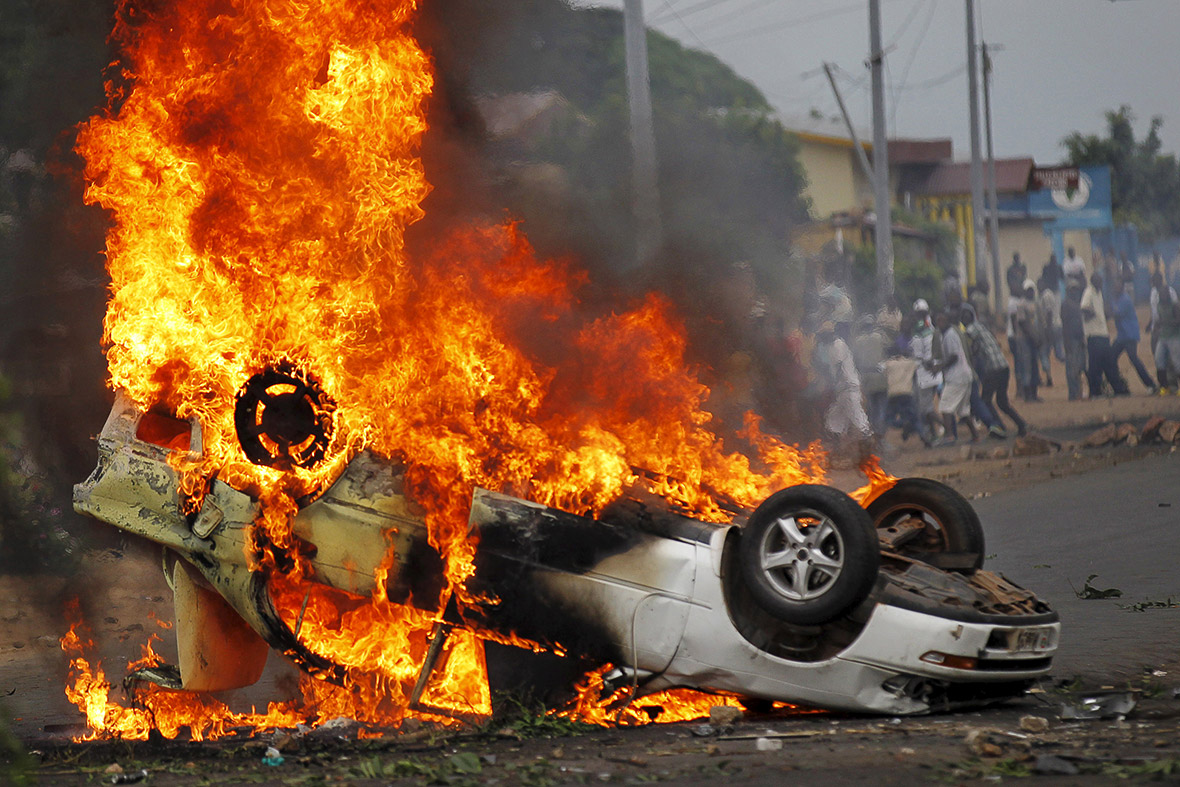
column 1121, row 523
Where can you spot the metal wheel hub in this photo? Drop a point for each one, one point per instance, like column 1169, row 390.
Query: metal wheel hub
column 802, row 555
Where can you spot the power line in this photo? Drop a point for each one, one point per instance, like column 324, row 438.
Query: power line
column 692, row 9
column 905, row 73
column 680, row 19
column 938, row 80
column 739, row 11
column 905, row 24
column 771, row 28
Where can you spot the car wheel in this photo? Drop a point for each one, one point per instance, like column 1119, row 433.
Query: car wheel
column 809, row 554
column 951, row 535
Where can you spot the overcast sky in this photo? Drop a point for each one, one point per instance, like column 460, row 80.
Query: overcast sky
column 1063, row 63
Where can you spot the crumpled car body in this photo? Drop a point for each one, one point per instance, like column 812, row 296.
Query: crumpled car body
column 653, row 592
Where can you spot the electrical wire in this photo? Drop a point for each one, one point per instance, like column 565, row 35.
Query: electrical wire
column 703, row 5
column 774, row 27
column 905, row 73
column 691, row 32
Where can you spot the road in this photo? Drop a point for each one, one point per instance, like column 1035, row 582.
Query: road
column 1119, row 522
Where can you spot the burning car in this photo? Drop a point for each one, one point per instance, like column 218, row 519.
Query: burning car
column 810, row 598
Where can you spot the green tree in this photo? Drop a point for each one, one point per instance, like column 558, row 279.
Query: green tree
column 1145, row 183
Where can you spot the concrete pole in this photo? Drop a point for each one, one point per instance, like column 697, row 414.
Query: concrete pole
column 977, row 211
column 646, row 196
column 883, row 231
column 993, row 216
column 865, row 166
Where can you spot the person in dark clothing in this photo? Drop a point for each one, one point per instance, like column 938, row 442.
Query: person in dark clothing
column 1015, row 274
column 1074, row 338
column 1053, row 273
column 992, row 369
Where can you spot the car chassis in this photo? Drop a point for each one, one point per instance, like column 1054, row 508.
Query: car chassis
column 668, row 599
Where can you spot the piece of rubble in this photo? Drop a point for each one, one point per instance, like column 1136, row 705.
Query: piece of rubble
column 724, row 715
column 1168, row 431
column 1033, row 445
column 340, row 728
column 1101, row 437
column 1034, row 724
column 1151, row 429
column 1102, row 705
column 1124, row 433
column 768, row 744
column 985, row 743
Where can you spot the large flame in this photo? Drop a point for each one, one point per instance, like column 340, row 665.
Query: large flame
column 260, row 164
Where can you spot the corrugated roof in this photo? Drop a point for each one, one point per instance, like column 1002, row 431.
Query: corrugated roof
column 1012, row 176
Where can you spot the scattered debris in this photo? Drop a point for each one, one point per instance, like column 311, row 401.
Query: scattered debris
column 1126, row 433
column 1034, row 445
column 272, row 757
column 1142, row 606
column 1106, row 705
column 703, row 730
column 1088, row 591
column 1052, row 764
column 724, row 715
column 768, row 744
column 1034, row 724
column 1101, row 436
column 783, row 735
column 1151, row 429
column 129, row 778
column 985, row 743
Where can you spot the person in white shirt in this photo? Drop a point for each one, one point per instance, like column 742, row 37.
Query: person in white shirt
column 926, row 348
column 1100, row 358
column 846, row 413
column 1074, row 268
column 955, row 403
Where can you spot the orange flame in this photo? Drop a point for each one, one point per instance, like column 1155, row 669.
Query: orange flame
column 260, row 165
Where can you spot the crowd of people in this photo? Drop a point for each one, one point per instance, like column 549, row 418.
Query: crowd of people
column 931, row 372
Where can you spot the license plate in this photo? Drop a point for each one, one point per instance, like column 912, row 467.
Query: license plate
column 1030, row 640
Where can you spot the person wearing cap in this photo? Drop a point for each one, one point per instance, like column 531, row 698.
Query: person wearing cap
column 1099, row 359
column 926, row 349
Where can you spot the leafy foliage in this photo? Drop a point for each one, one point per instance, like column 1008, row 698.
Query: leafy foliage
column 1145, row 182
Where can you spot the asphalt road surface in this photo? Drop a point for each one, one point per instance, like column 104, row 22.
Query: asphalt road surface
column 1121, row 523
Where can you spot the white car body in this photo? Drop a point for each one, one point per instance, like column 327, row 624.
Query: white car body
column 651, row 592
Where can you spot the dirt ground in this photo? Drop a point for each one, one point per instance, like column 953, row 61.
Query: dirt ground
column 123, row 592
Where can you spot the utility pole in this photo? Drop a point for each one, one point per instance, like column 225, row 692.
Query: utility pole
column 993, row 215
column 646, row 195
column 977, row 211
column 883, row 231
column 865, row 166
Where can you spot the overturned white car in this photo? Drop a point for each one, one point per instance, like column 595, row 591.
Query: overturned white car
column 809, row 599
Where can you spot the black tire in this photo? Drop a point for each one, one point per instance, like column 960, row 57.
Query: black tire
column 952, row 527
column 831, row 563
